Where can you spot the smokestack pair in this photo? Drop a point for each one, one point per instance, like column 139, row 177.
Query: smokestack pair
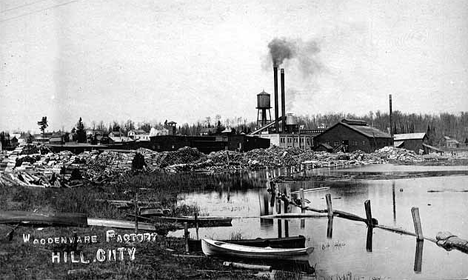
column 283, row 100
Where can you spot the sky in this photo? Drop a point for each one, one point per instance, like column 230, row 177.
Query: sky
column 183, row 61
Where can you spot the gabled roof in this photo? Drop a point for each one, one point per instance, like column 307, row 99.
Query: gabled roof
column 367, row 131
column 138, row 131
column 354, row 122
column 450, row 139
column 409, row 136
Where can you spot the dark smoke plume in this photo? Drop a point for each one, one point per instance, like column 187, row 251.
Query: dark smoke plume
column 281, row 49
column 305, row 53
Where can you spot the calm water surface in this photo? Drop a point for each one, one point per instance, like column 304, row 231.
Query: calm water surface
column 347, row 250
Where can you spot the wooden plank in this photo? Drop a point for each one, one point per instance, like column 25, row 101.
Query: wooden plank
column 293, row 216
column 248, row 266
column 119, row 224
column 43, row 219
column 312, row 190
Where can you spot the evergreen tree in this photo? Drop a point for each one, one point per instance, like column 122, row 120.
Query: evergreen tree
column 80, row 131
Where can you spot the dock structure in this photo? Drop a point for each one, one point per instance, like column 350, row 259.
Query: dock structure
column 445, row 240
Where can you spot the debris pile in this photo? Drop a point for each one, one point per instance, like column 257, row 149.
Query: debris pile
column 39, row 167
column 182, row 156
column 397, row 154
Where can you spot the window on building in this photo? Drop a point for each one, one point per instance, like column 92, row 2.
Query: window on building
column 336, row 143
column 363, row 142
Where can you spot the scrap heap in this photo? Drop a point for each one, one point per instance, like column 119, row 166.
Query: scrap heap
column 37, row 166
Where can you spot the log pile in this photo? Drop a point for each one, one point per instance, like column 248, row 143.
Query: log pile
column 36, row 166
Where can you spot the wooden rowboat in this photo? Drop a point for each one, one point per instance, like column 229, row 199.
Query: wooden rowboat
column 219, row 248
column 285, row 242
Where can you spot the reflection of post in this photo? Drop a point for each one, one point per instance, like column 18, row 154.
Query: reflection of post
column 301, row 193
column 370, row 233
column 394, row 201
column 418, row 256
column 330, row 228
column 186, row 237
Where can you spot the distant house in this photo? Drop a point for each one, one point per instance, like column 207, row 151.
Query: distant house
column 352, row 135
column 412, row 141
column 451, row 143
column 56, row 140
column 116, row 137
column 139, row 135
column 204, row 131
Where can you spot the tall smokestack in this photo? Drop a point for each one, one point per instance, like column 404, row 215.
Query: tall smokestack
column 283, row 103
column 275, row 81
column 391, row 121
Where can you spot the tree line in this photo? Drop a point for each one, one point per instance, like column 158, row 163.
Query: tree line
column 436, row 126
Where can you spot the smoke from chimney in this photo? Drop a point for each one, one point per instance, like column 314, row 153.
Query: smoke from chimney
column 305, row 53
column 281, row 49
column 299, row 57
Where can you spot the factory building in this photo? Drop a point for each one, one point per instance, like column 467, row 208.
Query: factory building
column 352, row 135
column 208, row 144
column 284, row 130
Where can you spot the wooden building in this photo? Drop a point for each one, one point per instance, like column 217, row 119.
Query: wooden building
column 352, row 135
column 411, row 141
column 207, row 144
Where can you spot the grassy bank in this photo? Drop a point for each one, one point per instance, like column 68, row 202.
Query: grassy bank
column 154, row 259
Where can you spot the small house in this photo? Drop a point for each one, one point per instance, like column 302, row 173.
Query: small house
column 411, row 141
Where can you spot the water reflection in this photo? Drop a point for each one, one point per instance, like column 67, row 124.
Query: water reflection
column 418, row 256
column 363, row 250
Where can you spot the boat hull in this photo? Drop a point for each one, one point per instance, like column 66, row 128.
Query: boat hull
column 220, row 248
column 285, row 242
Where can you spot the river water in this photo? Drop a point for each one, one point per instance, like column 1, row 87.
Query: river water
column 342, row 247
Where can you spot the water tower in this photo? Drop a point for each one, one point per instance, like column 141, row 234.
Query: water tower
column 263, row 105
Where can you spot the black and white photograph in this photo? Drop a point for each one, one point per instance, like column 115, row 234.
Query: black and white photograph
column 248, row 139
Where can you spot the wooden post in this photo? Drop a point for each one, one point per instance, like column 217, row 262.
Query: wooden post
column 186, row 236
column 301, row 193
column 329, row 205
column 394, row 201
column 136, row 212
column 278, row 211
column 286, row 205
column 304, row 170
column 196, row 223
column 417, row 223
column 367, row 207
